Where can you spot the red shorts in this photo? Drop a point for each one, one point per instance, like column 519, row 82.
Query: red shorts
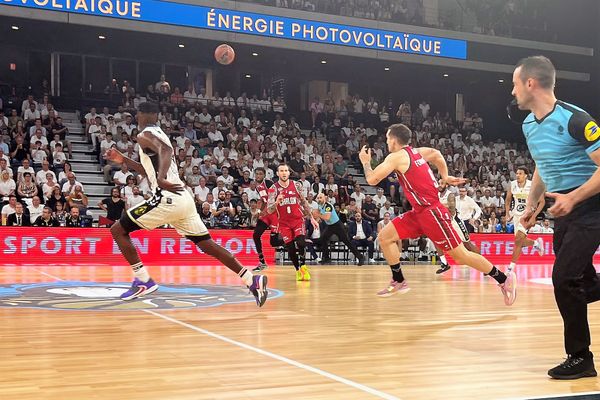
column 271, row 221
column 290, row 231
column 434, row 222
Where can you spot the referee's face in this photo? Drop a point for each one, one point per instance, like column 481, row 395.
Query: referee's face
column 321, row 198
column 521, row 90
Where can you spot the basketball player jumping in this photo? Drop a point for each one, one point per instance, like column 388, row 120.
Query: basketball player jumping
column 448, row 200
column 265, row 220
column 516, row 196
column 291, row 208
column 170, row 204
column 428, row 216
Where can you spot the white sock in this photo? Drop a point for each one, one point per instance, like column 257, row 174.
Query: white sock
column 511, row 266
column 246, row 276
column 140, row 272
column 443, row 259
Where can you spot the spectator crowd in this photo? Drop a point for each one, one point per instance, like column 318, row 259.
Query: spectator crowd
column 220, row 141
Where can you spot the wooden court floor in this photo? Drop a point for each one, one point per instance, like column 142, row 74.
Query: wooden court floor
column 450, row 337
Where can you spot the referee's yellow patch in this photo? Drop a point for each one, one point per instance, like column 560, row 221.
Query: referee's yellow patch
column 592, row 132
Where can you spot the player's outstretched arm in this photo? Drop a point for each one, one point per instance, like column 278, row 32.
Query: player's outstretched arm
column 436, row 158
column 394, row 161
column 120, row 158
column 507, row 202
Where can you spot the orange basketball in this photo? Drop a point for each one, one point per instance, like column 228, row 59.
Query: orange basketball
column 224, row 54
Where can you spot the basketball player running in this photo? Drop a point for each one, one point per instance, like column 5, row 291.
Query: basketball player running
column 517, row 196
column 170, row 204
column 428, row 216
column 265, row 220
column 564, row 142
column 448, row 200
column 291, row 208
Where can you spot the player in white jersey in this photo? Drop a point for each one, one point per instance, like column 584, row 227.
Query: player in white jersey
column 170, row 204
column 448, row 199
column 516, row 203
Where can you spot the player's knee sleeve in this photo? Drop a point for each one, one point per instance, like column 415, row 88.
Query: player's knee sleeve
column 301, row 241
column 276, row 240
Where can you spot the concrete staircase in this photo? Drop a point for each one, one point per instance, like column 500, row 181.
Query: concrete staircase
column 85, row 164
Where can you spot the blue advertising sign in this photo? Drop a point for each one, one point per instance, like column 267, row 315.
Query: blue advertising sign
column 195, row 16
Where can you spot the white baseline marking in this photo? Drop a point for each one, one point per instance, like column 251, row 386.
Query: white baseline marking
column 286, row 360
column 48, row 275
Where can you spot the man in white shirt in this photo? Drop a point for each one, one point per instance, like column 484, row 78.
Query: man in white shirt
column 226, row 178
column 189, row 96
column 40, row 177
column 387, row 208
column 546, row 228
column 214, row 135
column 487, row 202
column 26, row 167
column 467, row 209
column 358, row 196
column 203, row 98
column 120, row 177
column 134, row 198
column 201, row 191
column 128, row 125
column 31, row 114
column 242, row 101
column 243, row 120
column 204, row 117
column 69, row 185
column 106, row 144
column 379, row 199
column 27, row 103
column 35, row 209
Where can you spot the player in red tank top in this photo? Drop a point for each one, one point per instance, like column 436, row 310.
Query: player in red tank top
column 428, row 216
column 291, row 208
column 266, row 220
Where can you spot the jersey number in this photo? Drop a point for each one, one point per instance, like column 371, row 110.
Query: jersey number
column 289, row 210
column 435, row 182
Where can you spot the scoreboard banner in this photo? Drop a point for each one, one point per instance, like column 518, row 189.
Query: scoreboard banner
column 498, row 249
column 95, row 246
column 195, row 16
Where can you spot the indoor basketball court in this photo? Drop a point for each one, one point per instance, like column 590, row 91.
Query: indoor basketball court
column 201, row 336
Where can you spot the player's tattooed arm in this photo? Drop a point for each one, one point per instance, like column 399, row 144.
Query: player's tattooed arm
column 303, row 201
column 272, row 202
column 452, row 203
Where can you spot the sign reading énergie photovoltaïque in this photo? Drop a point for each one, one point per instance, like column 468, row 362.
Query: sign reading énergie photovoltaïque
column 190, row 15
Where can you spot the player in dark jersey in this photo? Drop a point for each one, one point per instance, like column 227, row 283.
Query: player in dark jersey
column 266, row 220
column 291, row 208
column 428, row 216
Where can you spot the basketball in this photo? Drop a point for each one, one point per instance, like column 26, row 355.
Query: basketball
column 224, row 54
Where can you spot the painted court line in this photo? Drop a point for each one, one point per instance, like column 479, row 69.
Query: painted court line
column 48, row 275
column 348, row 382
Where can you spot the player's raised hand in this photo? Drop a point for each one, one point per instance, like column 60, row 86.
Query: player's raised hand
column 454, row 181
column 365, row 155
column 114, row 155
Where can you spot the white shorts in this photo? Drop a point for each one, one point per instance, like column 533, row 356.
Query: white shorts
column 518, row 226
column 177, row 210
column 461, row 229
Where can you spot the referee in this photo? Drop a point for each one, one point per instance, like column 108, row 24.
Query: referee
column 564, row 142
column 334, row 227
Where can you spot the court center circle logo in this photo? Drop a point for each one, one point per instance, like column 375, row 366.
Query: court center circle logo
column 75, row 295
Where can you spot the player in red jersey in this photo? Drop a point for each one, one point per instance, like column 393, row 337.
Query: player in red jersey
column 265, row 220
column 428, row 216
column 291, row 208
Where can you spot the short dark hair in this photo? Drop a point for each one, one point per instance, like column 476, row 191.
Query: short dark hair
column 400, row 132
column 260, row 169
column 524, row 169
column 148, row 108
column 539, row 68
column 283, row 165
